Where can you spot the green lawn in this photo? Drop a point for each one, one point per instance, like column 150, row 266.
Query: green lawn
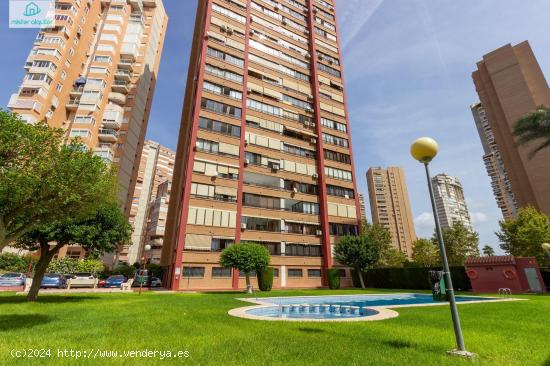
column 508, row 333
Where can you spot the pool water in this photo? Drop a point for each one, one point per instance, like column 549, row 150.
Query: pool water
column 333, row 307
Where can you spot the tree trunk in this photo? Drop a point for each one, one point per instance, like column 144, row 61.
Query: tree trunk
column 3, row 235
column 248, row 285
column 46, row 256
column 360, row 274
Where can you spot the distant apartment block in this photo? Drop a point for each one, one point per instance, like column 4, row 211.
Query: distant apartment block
column 510, row 84
column 156, row 224
column 450, row 202
column 264, row 152
column 94, row 76
column 500, row 183
column 390, row 206
column 362, row 207
column 150, row 197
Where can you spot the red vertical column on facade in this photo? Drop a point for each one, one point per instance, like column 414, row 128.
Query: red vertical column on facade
column 191, row 152
column 242, row 143
column 323, row 205
column 354, row 176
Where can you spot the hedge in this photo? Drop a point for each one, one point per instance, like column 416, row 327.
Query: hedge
column 411, row 278
column 265, row 279
column 333, row 275
column 545, row 272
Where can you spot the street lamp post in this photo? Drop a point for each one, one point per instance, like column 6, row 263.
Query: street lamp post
column 146, row 249
column 424, row 150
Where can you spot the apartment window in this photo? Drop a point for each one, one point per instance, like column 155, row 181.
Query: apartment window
column 38, row 77
column 222, row 108
column 212, row 52
column 261, row 224
column 228, row 13
column 295, row 273
column 222, row 90
column 314, row 273
column 303, row 250
column 335, row 140
column 264, row 108
column 301, row 187
column 272, row 248
column 340, row 191
column 80, row 133
column 221, row 272
column 295, row 150
column 333, row 125
column 58, row 88
column 195, row 272
column 221, row 244
column 338, row 173
column 224, row 73
column 297, row 102
column 207, row 146
column 342, row 272
column 337, row 156
column 342, row 229
column 272, row 203
column 219, row 127
column 84, row 119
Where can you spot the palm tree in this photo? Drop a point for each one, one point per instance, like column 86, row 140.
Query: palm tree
column 532, row 127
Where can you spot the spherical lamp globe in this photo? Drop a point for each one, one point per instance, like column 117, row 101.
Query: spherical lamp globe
column 147, row 248
column 424, row 149
column 546, row 247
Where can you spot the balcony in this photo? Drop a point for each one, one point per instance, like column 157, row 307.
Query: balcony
column 76, row 91
column 121, row 87
column 112, row 120
column 130, row 50
column 105, row 153
column 17, row 103
column 123, row 75
column 35, row 84
column 108, row 135
column 117, row 98
column 137, row 5
column 126, row 64
column 150, row 3
column 73, row 104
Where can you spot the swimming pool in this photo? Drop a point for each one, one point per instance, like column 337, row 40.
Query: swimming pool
column 340, row 307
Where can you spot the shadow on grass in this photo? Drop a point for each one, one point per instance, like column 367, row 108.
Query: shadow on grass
column 52, row 299
column 311, row 330
column 226, row 293
column 20, row 321
column 547, row 362
column 398, row 344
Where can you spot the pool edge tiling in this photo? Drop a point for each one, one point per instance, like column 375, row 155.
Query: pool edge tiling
column 382, row 312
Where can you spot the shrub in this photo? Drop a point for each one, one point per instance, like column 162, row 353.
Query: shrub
column 125, row 270
column 333, row 275
column 413, row 278
column 70, row 265
column 10, row 262
column 265, row 278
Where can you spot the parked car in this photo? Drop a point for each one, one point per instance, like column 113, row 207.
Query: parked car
column 115, row 281
column 83, row 279
column 53, row 280
column 156, row 282
column 12, row 279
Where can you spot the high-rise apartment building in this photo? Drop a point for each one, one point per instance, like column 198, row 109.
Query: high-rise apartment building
column 362, row 208
column 156, row 168
column 390, row 206
column 500, row 183
column 156, row 224
column 510, row 84
column 450, row 202
column 264, row 151
column 94, row 75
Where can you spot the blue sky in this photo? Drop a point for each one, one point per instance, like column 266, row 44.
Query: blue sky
column 408, row 66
